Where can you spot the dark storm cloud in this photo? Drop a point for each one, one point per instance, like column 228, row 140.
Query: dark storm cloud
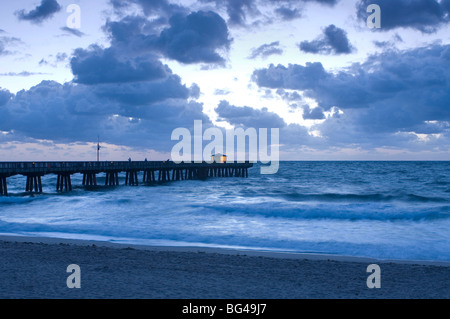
column 328, row 2
column 266, row 50
column 288, row 14
column 144, row 93
column 248, row 117
column 6, row 42
column 239, row 11
column 162, row 8
column 295, row 101
column 78, row 113
column 291, row 136
column 128, row 31
column 22, row 73
column 423, row 15
column 195, row 38
column 5, row 96
column 97, row 65
column 221, row 92
column 292, row 9
column 3, row 50
column 44, row 11
column 446, row 6
column 61, row 57
column 333, row 41
column 292, row 77
column 392, row 91
column 313, row 114
column 289, row 96
column 324, row 2
column 72, row 31
column 383, row 44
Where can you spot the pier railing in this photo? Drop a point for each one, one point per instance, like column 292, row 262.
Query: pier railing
column 16, row 168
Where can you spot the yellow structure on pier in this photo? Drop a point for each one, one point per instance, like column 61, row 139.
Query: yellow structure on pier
column 219, row 158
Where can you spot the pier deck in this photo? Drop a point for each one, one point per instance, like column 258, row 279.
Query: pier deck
column 153, row 171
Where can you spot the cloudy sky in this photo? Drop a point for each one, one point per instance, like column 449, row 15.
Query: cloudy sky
column 131, row 71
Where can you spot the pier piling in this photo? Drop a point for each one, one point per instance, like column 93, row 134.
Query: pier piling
column 131, row 178
column 89, row 179
column 112, row 179
column 3, row 186
column 63, row 181
column 34, row 184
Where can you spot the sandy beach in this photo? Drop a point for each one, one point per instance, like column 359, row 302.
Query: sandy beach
column 37, row 268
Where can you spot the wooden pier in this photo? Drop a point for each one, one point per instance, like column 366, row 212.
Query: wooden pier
column 153, row 172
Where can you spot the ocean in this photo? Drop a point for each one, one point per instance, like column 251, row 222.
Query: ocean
column 385, row 210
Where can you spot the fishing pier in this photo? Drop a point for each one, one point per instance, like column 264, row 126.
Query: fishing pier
column 152, row 172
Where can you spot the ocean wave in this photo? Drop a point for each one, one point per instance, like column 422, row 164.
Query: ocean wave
column 335, row 212
column 21, row 199
column 374, row 197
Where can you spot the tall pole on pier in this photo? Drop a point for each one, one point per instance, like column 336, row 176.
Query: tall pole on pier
column 98, row 148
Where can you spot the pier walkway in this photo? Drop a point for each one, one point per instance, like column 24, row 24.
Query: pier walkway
column 153, row 171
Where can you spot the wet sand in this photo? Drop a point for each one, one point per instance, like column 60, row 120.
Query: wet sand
column 37, row 268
